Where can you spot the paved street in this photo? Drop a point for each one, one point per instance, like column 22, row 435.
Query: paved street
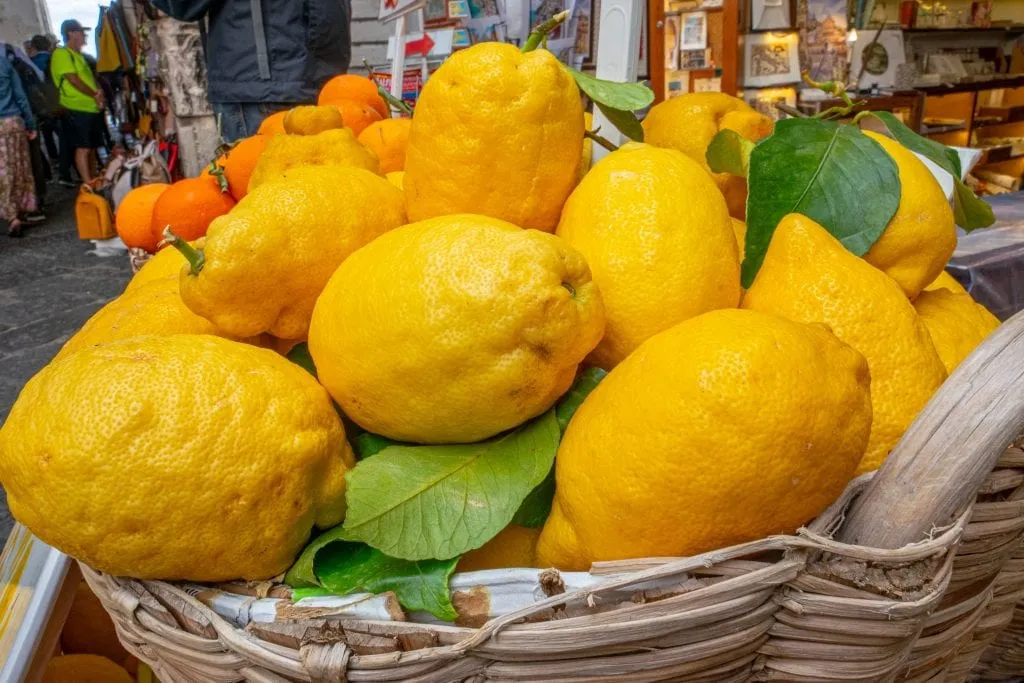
column 49, row 286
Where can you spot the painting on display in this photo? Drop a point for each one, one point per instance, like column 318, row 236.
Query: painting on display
column 695, row 31
column 823, row 47
column 582, row 27
column 771, row 59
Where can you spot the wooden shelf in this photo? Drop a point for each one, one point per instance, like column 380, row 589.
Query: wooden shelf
column 975, row 86
column 939, row 130
column 964, row 29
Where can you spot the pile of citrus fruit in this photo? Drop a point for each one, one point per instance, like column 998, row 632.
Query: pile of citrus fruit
column 444, row 337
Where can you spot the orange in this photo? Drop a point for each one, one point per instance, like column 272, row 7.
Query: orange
column 273, row 124
column 134, row 219
column 239, row 161
column 357, row 115
column 188, row 206
column 387, row 139
column 354, row 88
column 84, row 669
column 89, row 630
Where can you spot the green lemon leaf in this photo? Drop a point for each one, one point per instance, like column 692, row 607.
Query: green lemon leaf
column 301, row 593
column 585, row 383
column 437, row 502
column 625, row 121
column 729, row 152
column 945, row 158
column 970, row 211
column 356, row 568
column 367, row 444
column 301, row 574
column 537, row 506
column 300, row 356
column 829, row 172
column 621, row 96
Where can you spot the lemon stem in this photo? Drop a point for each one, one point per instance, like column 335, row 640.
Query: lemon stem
column 541, row 32
column 196, row 259
column 600, row 139
column 835, row 89
column 395, row 102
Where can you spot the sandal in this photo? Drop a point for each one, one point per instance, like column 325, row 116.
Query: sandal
column 14, row 229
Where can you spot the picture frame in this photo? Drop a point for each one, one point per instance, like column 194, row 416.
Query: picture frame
column 693, row 60
column 771, row 59
column 882, row 56
column 672, row 26
column 694, row 31
column 770, row 15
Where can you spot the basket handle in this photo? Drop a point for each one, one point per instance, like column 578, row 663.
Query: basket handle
column 942, row 460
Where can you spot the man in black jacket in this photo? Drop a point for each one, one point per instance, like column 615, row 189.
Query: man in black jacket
column 263, row 56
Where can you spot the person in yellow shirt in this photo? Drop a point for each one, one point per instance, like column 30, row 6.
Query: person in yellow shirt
column 80, row 97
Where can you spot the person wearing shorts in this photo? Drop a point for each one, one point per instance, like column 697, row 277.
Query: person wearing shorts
column 80, row 98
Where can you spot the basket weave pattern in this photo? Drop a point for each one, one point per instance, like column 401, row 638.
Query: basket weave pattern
column 804, row 607
column 784, row 608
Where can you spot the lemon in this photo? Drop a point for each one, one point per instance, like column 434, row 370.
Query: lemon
column 587, row 155
column 311, row 120
column 334, row 147
column 955, row 322
column 946, row 281
column 739, row 230
column 921, row 237
column 514, row 546
column 397, row 178
column 453, row 329
column 155, row 308
column 716, row 431
column 496, row 132
column 657, row 236
column 689, row 122
column 165, row 263
column 268, row 260
column 182, row 457
column 808, row 276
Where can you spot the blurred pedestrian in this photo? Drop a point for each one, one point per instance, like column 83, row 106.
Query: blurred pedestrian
column 42, row 106
column 80, row 98
column 263, row 56
column 39, row 50
column 17, row 127
column 40, row 54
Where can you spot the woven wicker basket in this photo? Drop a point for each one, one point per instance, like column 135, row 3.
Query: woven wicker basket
column 913, row 575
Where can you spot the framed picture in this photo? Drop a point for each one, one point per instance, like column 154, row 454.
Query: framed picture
column 879, row 58
column 771, row 59
column 823, row 47
column 676, row 83
column 672, row 43
column 770, row 15
column 707, row 85
column 692, row 60
column 458, row 9
column 582, row 27
column 694, row 31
